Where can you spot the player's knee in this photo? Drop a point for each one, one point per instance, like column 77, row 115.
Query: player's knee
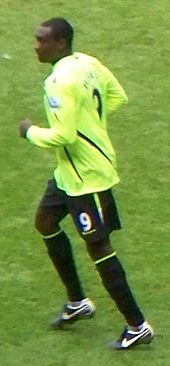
column 44, row 222
column 39, row 222
column 99, row 249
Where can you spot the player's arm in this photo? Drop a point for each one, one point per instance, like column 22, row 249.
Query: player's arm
column 115, row 95
column 62, row 118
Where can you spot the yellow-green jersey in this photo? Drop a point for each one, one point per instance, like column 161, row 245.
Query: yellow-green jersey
column 79, row 94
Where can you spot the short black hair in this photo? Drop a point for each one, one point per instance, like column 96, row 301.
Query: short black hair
column 61, row 28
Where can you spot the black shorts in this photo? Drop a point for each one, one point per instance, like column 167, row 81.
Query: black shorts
column 95, row 214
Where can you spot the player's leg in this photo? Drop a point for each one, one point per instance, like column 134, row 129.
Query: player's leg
column 96, row 217
column 114, row 280
column 50, row 212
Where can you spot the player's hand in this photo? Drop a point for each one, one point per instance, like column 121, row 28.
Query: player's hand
column 24, row 126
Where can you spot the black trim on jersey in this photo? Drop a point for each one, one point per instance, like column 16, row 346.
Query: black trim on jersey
column 93, row 144
column 72, row 164
column 56, row 117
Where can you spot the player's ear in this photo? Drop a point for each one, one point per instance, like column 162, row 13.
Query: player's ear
column 62, row 44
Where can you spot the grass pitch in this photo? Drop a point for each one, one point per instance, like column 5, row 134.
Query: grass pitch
column 132, row 38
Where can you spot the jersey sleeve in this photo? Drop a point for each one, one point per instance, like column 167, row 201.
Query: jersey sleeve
column 61, row 105
column 115, row 95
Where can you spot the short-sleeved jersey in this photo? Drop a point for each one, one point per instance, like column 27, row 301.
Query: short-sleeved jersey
column 79, row 94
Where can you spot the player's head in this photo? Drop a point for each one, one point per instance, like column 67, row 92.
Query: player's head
column 54, row 40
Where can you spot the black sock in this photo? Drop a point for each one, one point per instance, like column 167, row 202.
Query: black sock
column 114, row 280
column 60, row 252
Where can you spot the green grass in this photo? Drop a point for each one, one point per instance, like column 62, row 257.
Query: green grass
column 132, row 38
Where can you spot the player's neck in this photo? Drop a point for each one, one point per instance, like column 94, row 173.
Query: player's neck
column 64, row 54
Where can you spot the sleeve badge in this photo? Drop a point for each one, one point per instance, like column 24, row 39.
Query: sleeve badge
column 54, row 102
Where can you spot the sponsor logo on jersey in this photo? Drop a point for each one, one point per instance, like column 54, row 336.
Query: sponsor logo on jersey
column 54, row 102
